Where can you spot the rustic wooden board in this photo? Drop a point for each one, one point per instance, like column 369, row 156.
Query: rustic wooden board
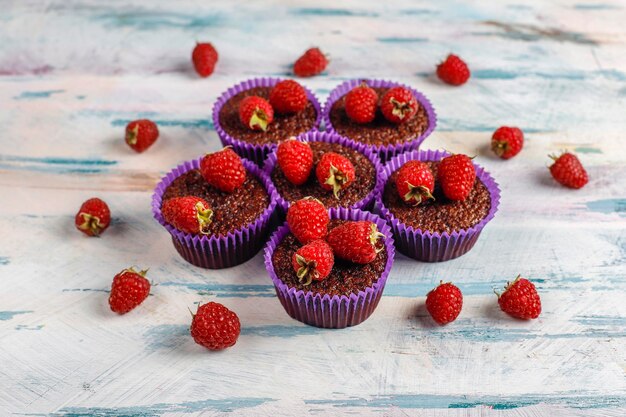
column 73, row 73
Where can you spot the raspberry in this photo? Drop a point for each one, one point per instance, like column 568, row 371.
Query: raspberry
column 415, row 182
column 256, row 113
column 188, row 214
column 453, row 70
column 507, row 142
column 398, row 105
column 295, row 159
column 128, row 290
column 444, row 303
column 568, row 171
column 288, row 97
column 93, row 217
column 457, row 175
column 334, row 172
column 215, row 327
column 141, row 134
column 223, row 170
column 308, row 220
column 520, row 299
column 356, row 242
column 361, row 103
column 311, row 63
column 204, row 58
column 313, row 261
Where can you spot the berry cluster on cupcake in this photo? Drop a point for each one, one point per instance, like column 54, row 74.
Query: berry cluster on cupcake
column 255, row 115
column 388, row 117
column 436, row 203
column 327, row 167
column 329, row 266
column 217, row 208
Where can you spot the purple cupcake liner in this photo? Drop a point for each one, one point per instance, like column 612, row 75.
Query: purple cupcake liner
column 386, row 152
column 367, row 202
column 335, row 311
column 217, row 252
column 434, row 246
column 251, row 151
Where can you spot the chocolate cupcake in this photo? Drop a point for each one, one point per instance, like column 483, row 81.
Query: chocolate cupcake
column 440, row 229
column 240, row 220
column 360, row 194
column 348, row 296
column 256, row 145
column 382, row 136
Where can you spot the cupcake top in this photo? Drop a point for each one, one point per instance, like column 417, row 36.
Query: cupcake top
column 345, row 277
column 218, row 197
column 440, row 214
column 377, row 125
column 365, row 177
column 284, row 121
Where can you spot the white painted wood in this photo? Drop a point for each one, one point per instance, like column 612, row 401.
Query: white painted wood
column 73, row 73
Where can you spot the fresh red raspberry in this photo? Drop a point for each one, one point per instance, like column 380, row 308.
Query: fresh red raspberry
column 215, row 327
column 398, row 105
column 313, row 261
column 311, row 63
column 568, row 171
column 361, row 103
column 457, row 175
column 93, row 217
column 444, row 303
column 256, row 113
column 334, row 172
column 520, row 299
column 188, row 214
column 356, row 242
column 128, row 290
column 141, row 134
column 507, row 142
column 288, row 97
column 204, row 58
column 308, row 220
column 453, row 70
column 295, row 159
column 223, row 170
column 415, row 182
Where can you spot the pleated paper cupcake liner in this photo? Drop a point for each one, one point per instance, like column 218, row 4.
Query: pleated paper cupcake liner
column 337, row 311
column 367, row 202
column 222, row 251
column 253, row 152
column 434, row 246
column 385, row 152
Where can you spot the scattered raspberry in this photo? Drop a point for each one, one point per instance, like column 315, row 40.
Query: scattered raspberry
column 223, row 170
column 453, row 70
column 188, row 214
column 457, row 175
column 93, row 217
column 444, row 303
column 398, row 105
column 361, row 103
column 356, row 242
column 507, row 142
column 295, row 159
column 334, row 172
column 204, row 58
column 568, row 171
column 215, row 327
column 415, row 182
column 308, row 220
column 288, row 97
column 311, row 63
column 256, row 113
column 313, row 261
column 128, row 290
column 520, row 299
column 141, row 134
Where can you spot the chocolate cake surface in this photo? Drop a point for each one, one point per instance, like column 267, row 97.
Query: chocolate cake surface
column 363, row 184
column 283, row 126
column 345, row 277
column 230, row 211
column 440, row 215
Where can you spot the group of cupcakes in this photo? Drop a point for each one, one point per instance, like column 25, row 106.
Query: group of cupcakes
column 283, row 150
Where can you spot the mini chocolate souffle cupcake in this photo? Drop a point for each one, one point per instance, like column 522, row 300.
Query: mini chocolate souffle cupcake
column 359, row 194
column 437, row 229
column 237, row 223
column 384, row 137
column 348, row 295
column 255, row 145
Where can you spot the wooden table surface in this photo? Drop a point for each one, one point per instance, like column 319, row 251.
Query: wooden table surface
column 73, row 73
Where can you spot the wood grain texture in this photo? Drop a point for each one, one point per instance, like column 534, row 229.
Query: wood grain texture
column 73, row 73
